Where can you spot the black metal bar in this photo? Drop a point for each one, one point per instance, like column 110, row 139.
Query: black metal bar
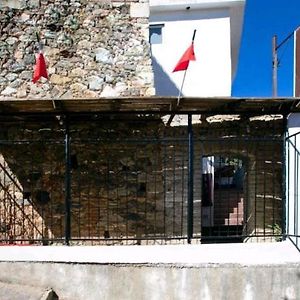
column 190, row 199
column 296, row 197
column 164, row 185
column 67, row 183
column 255, row 192
column 265, row 174
column 273, row 186
column 292, row 241
column 174, row 186
column 284, row 133
column 287, row 144
column 290, row 136
column 294, row 146
column 153, row 140
column 156, row 164
column 182, row 193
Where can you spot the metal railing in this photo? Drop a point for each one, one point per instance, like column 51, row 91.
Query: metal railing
column 293, row 177
column 130, row 179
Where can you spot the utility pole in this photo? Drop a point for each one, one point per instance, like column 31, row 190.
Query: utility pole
column 275, row 61
column 275, row 65
column 297, row 63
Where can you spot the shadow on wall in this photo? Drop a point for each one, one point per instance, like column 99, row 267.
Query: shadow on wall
column 164, row 85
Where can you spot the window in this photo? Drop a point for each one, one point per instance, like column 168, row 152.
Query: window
column 155, row 33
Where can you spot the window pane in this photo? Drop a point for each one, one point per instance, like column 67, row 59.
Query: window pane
column 155, row 35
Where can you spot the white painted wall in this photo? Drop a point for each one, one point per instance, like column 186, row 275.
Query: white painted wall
column 216, row 45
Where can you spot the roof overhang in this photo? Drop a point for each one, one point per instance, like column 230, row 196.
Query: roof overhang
column 152, row 105
column 169, row 5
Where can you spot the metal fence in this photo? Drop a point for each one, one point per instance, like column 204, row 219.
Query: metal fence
column 293, row 176
column 130, row 179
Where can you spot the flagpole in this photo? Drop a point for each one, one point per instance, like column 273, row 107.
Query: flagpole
column 39, row 41
column 180, row 91
column 181, row 88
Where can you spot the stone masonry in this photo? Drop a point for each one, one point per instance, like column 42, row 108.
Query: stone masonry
column 92, row 48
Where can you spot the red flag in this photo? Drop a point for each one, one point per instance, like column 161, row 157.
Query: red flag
column 40, row 69
column 184, row 61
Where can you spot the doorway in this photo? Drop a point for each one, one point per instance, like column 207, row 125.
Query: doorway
column 222, row 205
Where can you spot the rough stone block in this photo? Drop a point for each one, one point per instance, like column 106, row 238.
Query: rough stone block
column 8, row 91
column 139, row 10
column 15, row 4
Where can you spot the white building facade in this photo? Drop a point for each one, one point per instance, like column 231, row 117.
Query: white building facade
column 218, row 26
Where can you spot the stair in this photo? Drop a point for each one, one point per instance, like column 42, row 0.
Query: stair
column 228, row 207
column 222, row 234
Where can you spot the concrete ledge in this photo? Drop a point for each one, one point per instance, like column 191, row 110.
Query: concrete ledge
column 243, row 254
column 264, row 271
column 143, row 282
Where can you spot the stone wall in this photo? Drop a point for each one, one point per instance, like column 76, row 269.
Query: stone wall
column 92, row 48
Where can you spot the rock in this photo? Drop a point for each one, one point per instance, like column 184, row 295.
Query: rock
column 71, row 23
column 18, row 67
column 95, row 83
column 120, row 87
column 88, row 22
column 19, row 55
column 11, row 76
column 51, row 52
column 109, row 79
column 78, row 87
column 51, row 70
column 50, row 35
column 64, row 40
column 29, row 59
column 8, row 91
column 67, row 95
column 27, row 75
column 35, row 88
column 129, row 67
column 33, row 3
column 3, row 80
column 103, row 55
column 20, row 4
column 21, row 93
column 101, row 12
column 24, row 17
column 60, row 80
column 16, row 83
column 139, row 10
column 108, row 91
column 147, row 77
column 84, row 44
column 78, row 72
column 11, row 40
column 90, row 94
column 150, row 92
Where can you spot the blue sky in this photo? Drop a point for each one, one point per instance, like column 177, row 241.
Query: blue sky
column 263, row 19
